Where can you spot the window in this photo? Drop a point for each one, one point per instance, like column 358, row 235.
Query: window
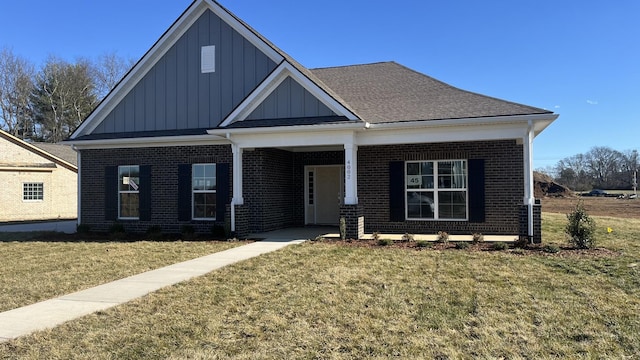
column 204, row 191
column 32, row 191
column 436, row 190
column 129, row 192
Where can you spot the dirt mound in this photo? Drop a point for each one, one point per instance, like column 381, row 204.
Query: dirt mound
column 544, row 186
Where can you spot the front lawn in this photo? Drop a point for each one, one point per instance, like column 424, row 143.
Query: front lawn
column 35, row 270
column 321, row 300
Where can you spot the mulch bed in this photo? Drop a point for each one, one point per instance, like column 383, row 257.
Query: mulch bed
column 516, row 249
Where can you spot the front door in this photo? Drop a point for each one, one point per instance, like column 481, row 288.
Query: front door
column 324, row 195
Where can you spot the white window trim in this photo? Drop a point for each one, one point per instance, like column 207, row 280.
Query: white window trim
column 39, row 184
column 128, row 192
column 193, row 192
column 436, row 190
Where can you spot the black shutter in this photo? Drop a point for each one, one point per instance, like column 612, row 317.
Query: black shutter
column 145, row 193
column 111, row 193
column 184, row 192
column 476, row 191
column 222, row 190
column 396, row 191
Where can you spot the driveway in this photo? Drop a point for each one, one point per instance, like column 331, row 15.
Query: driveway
column 68, row 226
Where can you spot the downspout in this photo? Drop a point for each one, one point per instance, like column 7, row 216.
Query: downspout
column 528, row 168
column 233, row 197
column 79, row 192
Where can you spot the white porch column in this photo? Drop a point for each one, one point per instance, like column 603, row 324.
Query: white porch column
column 529, row 198
column 350, row 174
column 237, row 183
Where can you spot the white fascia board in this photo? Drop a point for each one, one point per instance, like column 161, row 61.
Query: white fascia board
column 159, row 49
column 160, row 141
column 305, row 139
column 260, row 93
column 290, row 129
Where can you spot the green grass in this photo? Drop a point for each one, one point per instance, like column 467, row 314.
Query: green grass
column 319, row 300
column 35, row 270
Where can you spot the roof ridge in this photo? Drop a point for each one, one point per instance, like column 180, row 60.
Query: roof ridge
column 355, row 65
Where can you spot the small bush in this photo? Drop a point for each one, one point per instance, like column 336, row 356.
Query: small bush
column 462, row 245
column 423, row 243
column 581, row 228
column 499, row 246
column 408, row 237
column 477, row 237
column 550, row 248
column 385, row 242
column 375, row 236
column 443, row 237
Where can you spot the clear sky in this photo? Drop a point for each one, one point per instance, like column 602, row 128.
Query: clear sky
column 578, row 58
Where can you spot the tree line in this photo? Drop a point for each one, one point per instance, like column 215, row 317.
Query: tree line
column 599, row 168
column 47, row 104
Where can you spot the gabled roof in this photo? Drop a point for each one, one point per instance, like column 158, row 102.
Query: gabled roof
column 62, row 155
column 389, row 92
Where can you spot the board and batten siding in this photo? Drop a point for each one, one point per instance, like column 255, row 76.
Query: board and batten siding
column 174, row 94
column 290, row 100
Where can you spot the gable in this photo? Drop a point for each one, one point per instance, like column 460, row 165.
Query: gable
column 16, row 153
column 290, row 100
column 176, row 94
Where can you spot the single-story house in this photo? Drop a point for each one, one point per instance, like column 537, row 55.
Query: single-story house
column 215, row 125
column 39, row 180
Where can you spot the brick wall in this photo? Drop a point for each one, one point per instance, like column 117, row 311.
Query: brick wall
column 504, row 181
column 164, row 163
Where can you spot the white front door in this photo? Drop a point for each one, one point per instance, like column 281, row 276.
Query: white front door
column 324, row 194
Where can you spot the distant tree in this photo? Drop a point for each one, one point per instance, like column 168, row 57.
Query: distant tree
column 604, row 164
column 107, row 71
column 572, row 172
column 16, row 83
column 64, row 94
column 600, row 167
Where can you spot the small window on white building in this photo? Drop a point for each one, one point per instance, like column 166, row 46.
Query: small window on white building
column 208, row 59
column 32, row 191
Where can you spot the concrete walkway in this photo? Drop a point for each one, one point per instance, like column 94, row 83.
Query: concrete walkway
column 51, row 313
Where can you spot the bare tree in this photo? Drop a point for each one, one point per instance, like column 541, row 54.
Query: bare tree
column 16, row 83
column 107, row 71
column 63, row 96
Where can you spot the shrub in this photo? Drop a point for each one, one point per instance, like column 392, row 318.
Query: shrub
column 443, row 236
column 550, row 248
column 477, row 237
column 423, row 243
column 375, row 236
column 385, row 242
column 408, row 237
column 218, row 232
column 581, row 228
column 462, row 245
column 188, row 232
column 499, row 246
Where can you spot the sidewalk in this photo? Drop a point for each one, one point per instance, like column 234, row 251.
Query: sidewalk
column 51, row 313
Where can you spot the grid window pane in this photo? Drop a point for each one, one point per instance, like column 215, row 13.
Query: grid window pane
column 128, row 189
column 32, row 191
column 436, row 189
column 204, row 191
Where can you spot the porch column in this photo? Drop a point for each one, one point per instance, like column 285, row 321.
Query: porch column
column 237, row 200
column 529, row 198
column 350, row 174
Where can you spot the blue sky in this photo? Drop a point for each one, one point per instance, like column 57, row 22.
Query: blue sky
column 578, row 58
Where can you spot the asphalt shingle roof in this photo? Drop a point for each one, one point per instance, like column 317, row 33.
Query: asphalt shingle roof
column 390, row 92
column 64, row 152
